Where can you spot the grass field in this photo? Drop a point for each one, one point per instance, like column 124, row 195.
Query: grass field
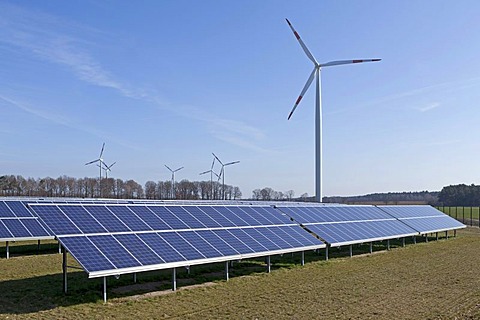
column 469, row 215
column 434, row 280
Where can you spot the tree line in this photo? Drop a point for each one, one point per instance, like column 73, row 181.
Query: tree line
column 460, row 195
column 64, row 186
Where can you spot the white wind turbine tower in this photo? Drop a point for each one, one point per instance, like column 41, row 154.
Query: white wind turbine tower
column 173, row 179
column 211, row 176
column 318, row 106
column 100, row 160
column 222, row 173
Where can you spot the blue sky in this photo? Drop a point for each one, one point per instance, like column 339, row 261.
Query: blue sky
column 169, row 82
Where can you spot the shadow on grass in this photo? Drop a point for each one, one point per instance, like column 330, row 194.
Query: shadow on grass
column 44, row 292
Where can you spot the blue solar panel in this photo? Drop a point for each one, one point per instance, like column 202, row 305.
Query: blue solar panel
column 82, row 219
column 182, row 246
column 17, row 228
column 233, row 241
column 424, row 219
column 5, row 211
column 114, row 251
column 142, row 251
column 244, row 237
column 349, row 224
column 237, row 213
column 55, row 219
column 161, row 247
column 218, row 243
column 186, row 217
column 205, row 248
column 18, row 208
column 4, row 233
column 150, row 218
column 107, row 219
column 217, row 216
column 129, row 218
column 172, row 220
column 35, row 228
column 201, row 216
column 86, row 253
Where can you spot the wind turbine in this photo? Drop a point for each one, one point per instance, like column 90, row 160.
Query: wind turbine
column 100, row 160
column 222, row 172
column 173, row 179
column 318, row 106
column 108, row 168
column 211, row 175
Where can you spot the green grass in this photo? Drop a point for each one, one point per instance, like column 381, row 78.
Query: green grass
column 431, row 280
column 463, row 213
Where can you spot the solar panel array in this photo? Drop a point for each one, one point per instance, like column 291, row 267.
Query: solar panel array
column 18, row 224
column 343, row 225
column 424, row 219
column 114, row 239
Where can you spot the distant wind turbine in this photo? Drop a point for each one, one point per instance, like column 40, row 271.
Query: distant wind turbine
column 211, row 175
column 173, row 179
column 108, row 168
column 222, row 172
column 318, row 106
column 100, row 161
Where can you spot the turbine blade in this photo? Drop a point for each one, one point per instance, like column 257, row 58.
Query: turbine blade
column 340, row 62
column 205, row 172
column 112, row 165
column 220, row 175
column 92, row 162
column 217, row 159
column 216, row 175
column 305, row 88
column 169, row 168
column 213, row 163
column 230, row 163
column 178, row 169
column 101, row 152
column 304, row 47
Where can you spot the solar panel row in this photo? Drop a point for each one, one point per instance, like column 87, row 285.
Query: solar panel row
column 115, row 239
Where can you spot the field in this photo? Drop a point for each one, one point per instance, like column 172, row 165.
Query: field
column 467, row 215
column 434, row 280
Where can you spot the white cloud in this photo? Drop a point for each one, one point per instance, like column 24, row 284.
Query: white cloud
column 429, row 107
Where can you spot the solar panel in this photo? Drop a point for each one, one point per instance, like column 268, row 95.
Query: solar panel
column 343, row 225
column 17, row 223
column 140, row 237
column 424, row 219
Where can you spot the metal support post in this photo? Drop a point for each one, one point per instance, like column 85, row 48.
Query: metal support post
column 269, row 267
column 7, row 248
column 104, row 289
column 351, row 251
column 326, row 253
column 134, row 277
column 388, row 244
column 446, row 234
column 174, row 279
column 38, row 246
column 426, row 237
column 436, row 235
column 371, row 247
column 59, row 247
column 414, row 239
column 403, row 242
column 226, row 271
column 64, row 268
column 303, row 258
column 454, row 233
